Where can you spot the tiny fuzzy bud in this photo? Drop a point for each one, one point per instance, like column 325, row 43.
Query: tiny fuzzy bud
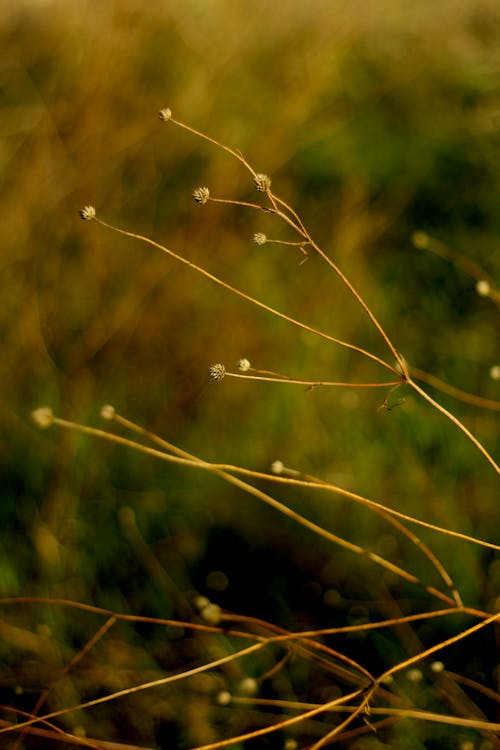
column 201, row 195
column 248, row 686
column 224, row 697
column 201, row 602
column 483, row 288
column 495, row 372
column 217, row 371
column 414, row 675
column 43, row 416
column 259, row 238
column 108, row 411
column 87, row 213
column 277, row 467
column 262, row 182
column 437, row 666
column 420, row 240
column 290, row 744
column 211, row 614
column 165, row 114
column 244, row 365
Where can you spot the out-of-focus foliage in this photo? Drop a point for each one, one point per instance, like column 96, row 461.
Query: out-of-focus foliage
column 374, row 120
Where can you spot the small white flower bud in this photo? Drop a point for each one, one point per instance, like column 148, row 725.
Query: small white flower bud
column 259, row 238
column 248, row 686
column 277, row 467
column 87, row 213
column 437, row 666
column 211, row 614
column 43, row 417
column 165, row 114
column 262, row 182
column 414, row 675
column 201, row 602
column 483, row 288
column 224, row 697
column 217, row 371
column 108, row 411
column 495, row 372
column 201, row 195
column 244, row 365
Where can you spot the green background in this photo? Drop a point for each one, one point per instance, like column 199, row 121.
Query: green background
column 375, row 120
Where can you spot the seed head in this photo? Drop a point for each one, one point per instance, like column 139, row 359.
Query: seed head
column 201, row 195
column 414, row 675
column 165, row 114
column 262, row 182
column 244, row 365
column 211, row 614
column 495, row 372
column 483, row 288
column 259, row 238
column 248, row 686
column 217, row 371
column 87, row 213
column 437, row 666
column 43, row 416
column 277, row 467
column 107, row 411
column 224, row 697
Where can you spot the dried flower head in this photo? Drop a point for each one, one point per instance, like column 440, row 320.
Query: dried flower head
column 437, row 666
column 217, row 371
column 211, row 614
column 165, row 114
column 224, row 697
column 259, row 238
column 244, row 365
column 277, row 467
column 414, row 675
column 87, row 213
column 248, row 686
column 201, row 195
column 495, row 372
column 43, row 416
column 108, row 411
column 262, row 182
column 483, row 288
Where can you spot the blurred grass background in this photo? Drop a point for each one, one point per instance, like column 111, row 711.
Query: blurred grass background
column 374, row 120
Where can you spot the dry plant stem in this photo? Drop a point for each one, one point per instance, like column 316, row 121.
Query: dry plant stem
column 144, row 686
column 282, row 724
column 269, row 477
column 55, row 734
column 455, row 421
column 470, row 267
column 298, row 225
column 405, row 375
column 310, row 383
column 309, row 482
column 92, row 609
column 404, row 665
column 43, row 696
column 400, row 572
column 435, row 562
column 247, row 297
column 468, row 398
column 409, row 712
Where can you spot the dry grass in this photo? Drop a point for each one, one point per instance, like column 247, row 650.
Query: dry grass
column 152, row 620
